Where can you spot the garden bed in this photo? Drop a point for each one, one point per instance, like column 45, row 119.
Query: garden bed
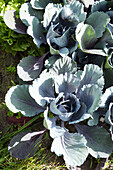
column 59, row 77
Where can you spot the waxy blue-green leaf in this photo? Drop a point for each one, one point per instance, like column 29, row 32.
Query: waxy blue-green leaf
column 88, row 2
column 110, row 27
column 25, row 144
column 65, row 1
column 109, row 118
column 61, row 41
column 18, row 99
column 50, row 123
column 72, row 14
column 108, row 81
column 64, row 65
column 107, row 37
column 84, row 58
column 41, row 4
column 100, row 112
column 30, row 67
column 109, row 114
column 65, row 105
column 86, row 36
column 99, row 6
column 92, row 74
column 67, row 83
column 51, row 11
column 36, row 31
column 99, row 142
column 90, row 95
column 80, row 115
column 52, row 35
column 13, row 22
column 42, row 89
column 107, row 97
column 110, row 13
column 26, row 11
column 63, row 51
column 99, row 21
column 51, row 60
column 73, row 148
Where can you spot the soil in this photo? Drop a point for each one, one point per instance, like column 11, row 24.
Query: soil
column 6, row 77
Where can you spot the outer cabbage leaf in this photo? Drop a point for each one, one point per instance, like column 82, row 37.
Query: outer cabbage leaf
column 95, row 117
column 30, row 67
column 61, row 41
column 90, row 95
column 85, row 58
column 86, row 36
column 88, row 2
column 108, row 81
column 92, row 74
column 98, row 139
column 110, row 13
column 18, row 99
column 73, row 148
column 107, row 37
column 99, row 6
column 13, row 22
column 107, row 97
column 72, row 14
column 50, row 123
column 65, row 1
column 106, row 7
column 98, row 20
column 110, row 34
column 51, row 12
column 51, row 60
column 26, row 11
column 63, row 51
column 25, row 144
column 64, row 65
column 109, row 118
column 41, row 4
column 42, row 89
column 67, row 83
column 36, row 31
column 80, row 115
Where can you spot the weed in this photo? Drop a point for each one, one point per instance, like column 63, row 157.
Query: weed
column 11, row 69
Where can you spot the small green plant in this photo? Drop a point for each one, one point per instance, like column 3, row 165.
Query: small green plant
column 11, row 41
column 11, row 69
column 10, row 114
